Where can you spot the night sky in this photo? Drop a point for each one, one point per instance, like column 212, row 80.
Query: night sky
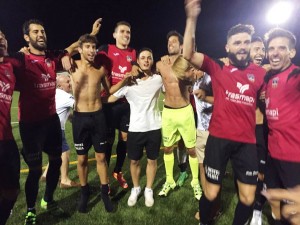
column 66, row 20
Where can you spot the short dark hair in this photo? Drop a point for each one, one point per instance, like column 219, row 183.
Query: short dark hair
column 27, row 23
column 176, row 34
column 122, row 23
column 280, row 32
column 240, row 28
column 142, row 50
column 87, row 38
column 257, row 39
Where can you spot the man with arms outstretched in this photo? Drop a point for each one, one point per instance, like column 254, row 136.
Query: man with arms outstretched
column 235, row 90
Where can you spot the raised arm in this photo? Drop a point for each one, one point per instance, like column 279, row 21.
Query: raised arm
column 72, row 49
column 192, row 10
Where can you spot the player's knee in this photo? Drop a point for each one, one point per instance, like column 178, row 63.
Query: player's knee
column 123, row 136
column 152, row 163
column 82, row 161
column 55, row 162
column 192, row 153
column 135, row 162
column 100, row 157
column 168, row 150
column 211, row 194
column 247, row 199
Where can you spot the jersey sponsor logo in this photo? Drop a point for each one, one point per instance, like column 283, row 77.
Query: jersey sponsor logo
column 275, row 82
column 4, row 86
column 212, row 173
column 45, row 76
column 251, row 77
column 240, row 98
column 271, row 113
column 242, row 88
column 122, row 69
column 129, row 58
column 116, row 54
column 118, row 76
column 233, row 70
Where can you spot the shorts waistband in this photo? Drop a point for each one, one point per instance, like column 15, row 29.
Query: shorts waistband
column 87, row 113
column 169, row 107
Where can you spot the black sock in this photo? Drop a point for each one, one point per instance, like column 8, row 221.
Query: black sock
column 32, row 186
column 106, row 200
column 182, row 167
column 260, row 199
column 121, row 155
column 84, row 198
column 52, row 178
column 205, row 207
column 6, row 206
column 242, row 213
column 108, row 152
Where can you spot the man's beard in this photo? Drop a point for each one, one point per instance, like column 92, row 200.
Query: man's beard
column 236, row 62
column 37, row 46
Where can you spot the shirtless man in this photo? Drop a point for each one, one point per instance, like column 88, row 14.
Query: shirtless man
column 177, row 106
column 89, row 126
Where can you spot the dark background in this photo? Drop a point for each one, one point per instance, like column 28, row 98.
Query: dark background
column 66, row 20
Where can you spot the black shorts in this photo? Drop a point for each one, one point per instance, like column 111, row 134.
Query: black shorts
column 9, row 165
column 243, row 158
column 262, row 151
column 40, row 136
column 282, row 174
column 118, row 115
column 89, row 128
column 137, row 141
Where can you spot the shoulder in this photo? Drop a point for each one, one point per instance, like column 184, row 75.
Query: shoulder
column 103, row 48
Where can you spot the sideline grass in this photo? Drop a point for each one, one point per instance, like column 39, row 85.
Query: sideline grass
column 177, row 209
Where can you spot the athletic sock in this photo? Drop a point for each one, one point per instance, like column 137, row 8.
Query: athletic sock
column 169, row 165
column 32, row 186
column 182, row 167
column 194, row 165
column 106, row 200
column 108, row 152
column 260, row 199
column 181, row 158
column 121, row 155
column 242, row 213
column 205, row 207
column 84, row 198
column 52, row 178
column 6, row 206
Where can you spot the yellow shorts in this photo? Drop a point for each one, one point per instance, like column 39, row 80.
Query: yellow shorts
column 202, row 136
column 177, row 123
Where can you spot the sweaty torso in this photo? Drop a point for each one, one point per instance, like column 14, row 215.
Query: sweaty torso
column 86, row 85
column 176, row 91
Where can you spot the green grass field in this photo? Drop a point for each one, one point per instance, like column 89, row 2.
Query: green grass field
column 178, row 208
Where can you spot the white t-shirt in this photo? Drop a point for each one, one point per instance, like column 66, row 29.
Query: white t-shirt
column 64, row 103
column 143, row 100
column 203, row 119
